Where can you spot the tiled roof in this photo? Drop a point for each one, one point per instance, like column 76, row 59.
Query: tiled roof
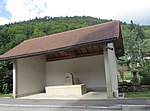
column 105, row 32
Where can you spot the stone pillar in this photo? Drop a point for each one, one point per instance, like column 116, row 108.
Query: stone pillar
column 68, row 79
column 15, row 78
column 135, row 81
column 107, row 73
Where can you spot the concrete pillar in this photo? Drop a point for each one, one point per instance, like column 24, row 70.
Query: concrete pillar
column 113, row 68
column 107, row 73
column 14, row 78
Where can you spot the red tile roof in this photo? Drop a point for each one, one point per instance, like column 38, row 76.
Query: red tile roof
column 105, row 32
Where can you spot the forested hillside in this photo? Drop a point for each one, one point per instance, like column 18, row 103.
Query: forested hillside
column 13, row 34
column 136, row 39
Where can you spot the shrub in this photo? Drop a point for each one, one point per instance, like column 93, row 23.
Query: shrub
column 145, row 78
column 124, row 83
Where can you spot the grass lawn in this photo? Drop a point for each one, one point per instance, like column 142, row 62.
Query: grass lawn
column 5, row 95
column 140, row 94
column 127, row 75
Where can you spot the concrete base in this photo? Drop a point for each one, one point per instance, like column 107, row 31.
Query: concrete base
column 66, row 90
column 28, row 94
column 87, row 96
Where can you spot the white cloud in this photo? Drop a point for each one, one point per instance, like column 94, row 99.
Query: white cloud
column 4, row 20
column 24, row 9
column 108, row 9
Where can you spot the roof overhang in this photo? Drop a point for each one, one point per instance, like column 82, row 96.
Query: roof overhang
column 118, row 44
column 69, row 48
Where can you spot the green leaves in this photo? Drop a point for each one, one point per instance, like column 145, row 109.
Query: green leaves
column 136, row 39
column 37, row 33
column 137, row 44
column 6, row 77
column 13, row 34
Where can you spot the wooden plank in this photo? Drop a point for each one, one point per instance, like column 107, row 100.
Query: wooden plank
column 96, row 48
column 60, row 58
column 89, row 54
column 90, row 50
column 83, row 50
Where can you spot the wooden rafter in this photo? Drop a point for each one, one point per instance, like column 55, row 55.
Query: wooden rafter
column 93, row 49
column 76, row 53
column 86, row 49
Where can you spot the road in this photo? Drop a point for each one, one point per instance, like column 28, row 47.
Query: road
column 16, row 108
column 46, row 109
column 75, row 105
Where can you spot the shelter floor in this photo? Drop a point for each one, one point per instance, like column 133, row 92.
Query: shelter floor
column 88, row 96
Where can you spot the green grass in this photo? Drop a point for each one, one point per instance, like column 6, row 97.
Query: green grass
column 142, row 94
column 127, row 75
column 5, row 95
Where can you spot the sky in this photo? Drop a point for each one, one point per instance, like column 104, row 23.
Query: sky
column 123, row 10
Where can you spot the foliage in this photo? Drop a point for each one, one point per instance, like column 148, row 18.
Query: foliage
column 5, row 95
column 14, row 33
column 124, row 83
column 5, row 77
column 136, row 39
column 124, row 87
column 139, row 94
column 127, row 75
column 137, row 42
column 145, row 79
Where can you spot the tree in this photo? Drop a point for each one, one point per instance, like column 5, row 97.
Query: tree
column 136, row 44
column 37, row 33
column 6, row 77
column 136, row 38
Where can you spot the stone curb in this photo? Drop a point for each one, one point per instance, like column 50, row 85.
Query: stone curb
column 136, row 107
column 117, row 107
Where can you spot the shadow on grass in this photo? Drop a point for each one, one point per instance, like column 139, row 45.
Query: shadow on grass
column 138, row 94
column 5, row 95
